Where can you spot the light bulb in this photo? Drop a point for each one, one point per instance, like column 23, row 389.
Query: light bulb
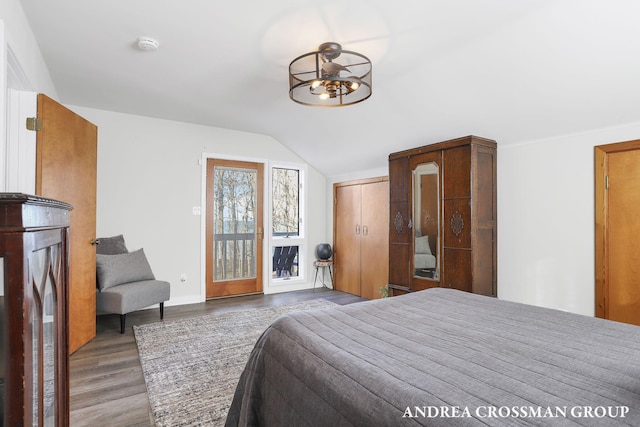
column 355, row 85
column 324, row 96
column 315, row 84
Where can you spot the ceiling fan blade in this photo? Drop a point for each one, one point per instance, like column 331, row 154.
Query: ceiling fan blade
column 333, row 68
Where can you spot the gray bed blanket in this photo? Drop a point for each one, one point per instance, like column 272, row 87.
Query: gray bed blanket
column 443, row 358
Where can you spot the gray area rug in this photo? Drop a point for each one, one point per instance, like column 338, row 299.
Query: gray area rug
column 192, row 366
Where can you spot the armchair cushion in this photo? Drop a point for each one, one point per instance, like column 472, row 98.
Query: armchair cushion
column 113, row 270
column 123, row 299
column 111, row 245
column 422, row 245
column 422, row 261
column 423, row 258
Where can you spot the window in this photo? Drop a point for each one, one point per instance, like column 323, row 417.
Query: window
column 234, row 201
column 287, row 230
column 285, row 185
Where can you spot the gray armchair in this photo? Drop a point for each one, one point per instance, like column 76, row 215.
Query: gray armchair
column 423, row 258
column 125, row 282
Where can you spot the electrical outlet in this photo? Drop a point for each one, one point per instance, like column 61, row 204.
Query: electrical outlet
column 183, row 277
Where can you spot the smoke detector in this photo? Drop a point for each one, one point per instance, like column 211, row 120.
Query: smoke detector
column 148, row 44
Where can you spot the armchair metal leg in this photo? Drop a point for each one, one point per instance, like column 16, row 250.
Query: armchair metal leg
column 161, row 310
column 122, row 322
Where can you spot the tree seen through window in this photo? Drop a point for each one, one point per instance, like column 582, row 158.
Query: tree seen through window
column 286, row 202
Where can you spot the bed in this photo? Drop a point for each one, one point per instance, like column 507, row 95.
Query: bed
column 440, row 357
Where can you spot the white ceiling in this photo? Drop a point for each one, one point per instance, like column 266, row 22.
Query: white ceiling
column 510, row 70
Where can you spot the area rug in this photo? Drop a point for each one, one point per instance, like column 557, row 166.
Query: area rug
column 191, row 366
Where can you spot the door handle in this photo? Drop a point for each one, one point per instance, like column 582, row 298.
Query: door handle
column 365, row 230
column 95, row 242
column 357, row 229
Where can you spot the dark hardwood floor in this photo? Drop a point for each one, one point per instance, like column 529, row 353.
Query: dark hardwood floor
column 107, row 386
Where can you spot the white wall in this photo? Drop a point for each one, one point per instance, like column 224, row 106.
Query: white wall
column 546, row 219
column 149, row 180
column 21, row 67
column 22, row 43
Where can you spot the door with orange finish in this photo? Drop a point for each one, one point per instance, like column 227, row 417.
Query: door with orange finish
column 617, row 231
column 66, row 164
column 234, row 228
column 347, row 237
column 361, row 236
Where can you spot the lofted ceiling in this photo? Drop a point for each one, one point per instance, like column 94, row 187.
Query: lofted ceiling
column 507, row 70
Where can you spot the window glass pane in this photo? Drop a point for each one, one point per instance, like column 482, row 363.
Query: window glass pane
column 285, row 262
column 234, row 223
column 286, row 202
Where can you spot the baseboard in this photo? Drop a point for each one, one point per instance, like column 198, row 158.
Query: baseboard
column 190, row 299
column 276, row 289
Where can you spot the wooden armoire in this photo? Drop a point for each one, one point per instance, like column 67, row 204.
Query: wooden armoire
column 360, row 239
column 443, row 217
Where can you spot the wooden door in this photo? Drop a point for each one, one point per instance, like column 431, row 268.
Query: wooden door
column 347, row 236
column 234, row 228
column 374, row 253
column 66, row 164
column 361, row 236
column 617, row 228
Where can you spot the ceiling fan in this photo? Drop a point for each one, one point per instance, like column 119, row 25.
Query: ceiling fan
column 330, row 77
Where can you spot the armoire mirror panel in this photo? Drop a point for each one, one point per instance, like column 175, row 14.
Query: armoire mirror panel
column 426, row 221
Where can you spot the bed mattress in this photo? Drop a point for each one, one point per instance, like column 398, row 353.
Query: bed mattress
column 440, row 357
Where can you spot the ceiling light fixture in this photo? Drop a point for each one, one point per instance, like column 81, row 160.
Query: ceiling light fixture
column 316, row 80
